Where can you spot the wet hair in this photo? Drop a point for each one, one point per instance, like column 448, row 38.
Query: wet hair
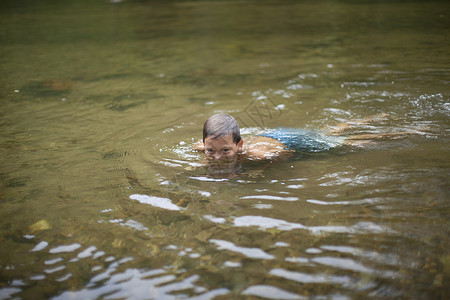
column 221, row 125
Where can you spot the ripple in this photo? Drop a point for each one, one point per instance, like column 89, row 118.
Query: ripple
column 6, row 293
column 164, row 203
column 270, row 292
column 313, row 251
column 301, row 260
column 37, row 277
column 135, row 225
column 65, row 248
column 185, row 152
column 353, row 202
column 64, row 277
column 39, row 247
column 264, row 223
column 428, row 105
column 136, row 284
column 215, row 219
column 340, row 178
column 269, row 197
column 17, row 282
column 342, row 263
column 55, row 269
column 311, row 278
column 87, row 252
column 295, row 186
column 53, row 261
column 360, row 227
column 204, row 193
column 390, row 259
column 98, row 254
column 203, row 178
column 178, row 162
column 112, row 268
column 263, row 206
column 232, row 264
column 281, row 244
column 169, row 164
column 298, row 86
column 358, row 83
column 248, row 252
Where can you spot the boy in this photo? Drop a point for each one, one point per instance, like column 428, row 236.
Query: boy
column 222, row 142
column 223, row 145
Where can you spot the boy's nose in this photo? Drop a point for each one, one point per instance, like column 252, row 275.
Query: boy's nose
column 217, row 156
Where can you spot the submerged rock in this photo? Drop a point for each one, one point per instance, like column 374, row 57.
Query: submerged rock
column 40, row 225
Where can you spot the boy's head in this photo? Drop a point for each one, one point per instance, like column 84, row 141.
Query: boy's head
column 221, row 125
column 221, row 137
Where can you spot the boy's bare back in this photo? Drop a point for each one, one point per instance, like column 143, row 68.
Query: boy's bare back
column 260, row 148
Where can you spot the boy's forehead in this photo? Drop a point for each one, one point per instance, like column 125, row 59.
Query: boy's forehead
column 226, row 139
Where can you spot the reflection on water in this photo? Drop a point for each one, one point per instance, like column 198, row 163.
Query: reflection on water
column 102, row 196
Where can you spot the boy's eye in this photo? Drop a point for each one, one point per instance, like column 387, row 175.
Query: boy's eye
column 209, row 150
column 226, row 150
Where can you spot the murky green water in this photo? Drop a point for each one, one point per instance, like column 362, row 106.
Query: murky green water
column 101, row 102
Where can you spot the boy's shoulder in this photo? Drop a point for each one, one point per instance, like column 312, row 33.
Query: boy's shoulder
column 261, row 147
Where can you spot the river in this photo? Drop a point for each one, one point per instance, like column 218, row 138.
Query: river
column 102, row 197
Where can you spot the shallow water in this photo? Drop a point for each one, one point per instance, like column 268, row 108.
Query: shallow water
column 101, row 196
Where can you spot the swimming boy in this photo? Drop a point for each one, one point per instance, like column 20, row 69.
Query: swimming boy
column 222, row 140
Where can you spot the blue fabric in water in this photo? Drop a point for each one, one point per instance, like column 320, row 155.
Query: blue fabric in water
column 304, row 140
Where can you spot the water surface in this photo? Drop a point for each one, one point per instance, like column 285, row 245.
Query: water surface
column 102, row 197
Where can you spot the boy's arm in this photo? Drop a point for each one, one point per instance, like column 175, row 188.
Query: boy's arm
column 344, row 126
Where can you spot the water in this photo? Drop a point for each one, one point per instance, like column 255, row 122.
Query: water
column 101, row 196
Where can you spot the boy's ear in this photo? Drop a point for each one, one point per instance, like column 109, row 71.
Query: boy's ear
column 240, row 144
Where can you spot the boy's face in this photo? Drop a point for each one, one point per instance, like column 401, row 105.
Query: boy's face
column 223, row 148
